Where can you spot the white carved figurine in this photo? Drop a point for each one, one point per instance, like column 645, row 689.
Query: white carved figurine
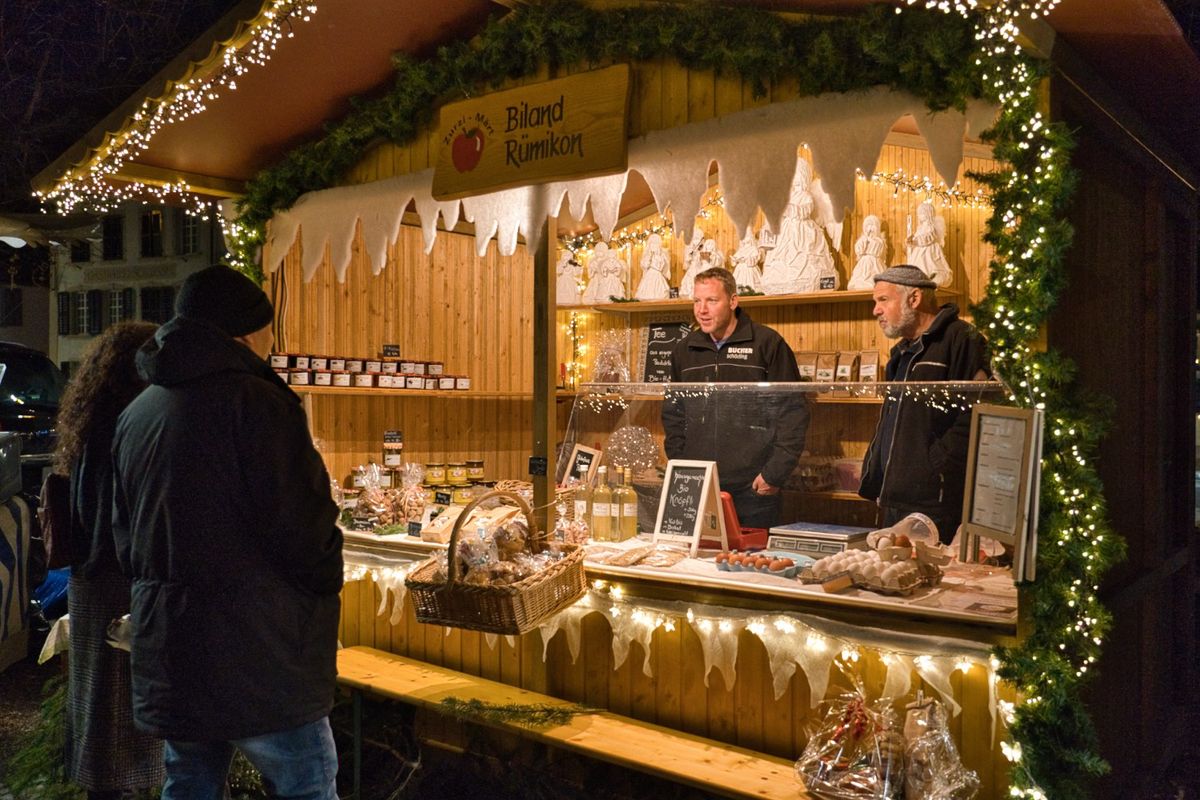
column 711, row 256
column 746, row 273
column 870, row 250
column 569, row 272
column 606, row 276
column 691, row 263
column 801, row 257
column 926, row 243
column 656, row 271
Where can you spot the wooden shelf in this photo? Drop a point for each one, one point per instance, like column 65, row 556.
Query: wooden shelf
column 355, row 391
column 834, row 495
column 871, row 401
column 684, row 304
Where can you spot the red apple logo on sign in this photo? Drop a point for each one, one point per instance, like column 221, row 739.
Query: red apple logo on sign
column 467, row 150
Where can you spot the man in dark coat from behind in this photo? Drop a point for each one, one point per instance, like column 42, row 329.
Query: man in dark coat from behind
column 224, row 521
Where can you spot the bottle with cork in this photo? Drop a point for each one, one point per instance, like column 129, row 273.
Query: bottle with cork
column 626, row 498
column 602, row 527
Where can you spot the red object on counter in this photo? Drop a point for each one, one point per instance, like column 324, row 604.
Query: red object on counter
column 739, row 538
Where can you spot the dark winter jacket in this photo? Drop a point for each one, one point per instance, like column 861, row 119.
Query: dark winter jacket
column 924, row 469
column 91, row 507
column 745, row 432
column 223, row 518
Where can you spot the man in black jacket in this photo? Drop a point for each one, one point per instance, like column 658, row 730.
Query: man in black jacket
column 917, row 460
column 754, row 435
column 223, row 518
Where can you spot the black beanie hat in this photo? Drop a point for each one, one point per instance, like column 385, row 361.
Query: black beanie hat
column 226, row 299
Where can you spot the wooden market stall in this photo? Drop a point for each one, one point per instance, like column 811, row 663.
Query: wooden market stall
column 489, row 316
column 475, row 314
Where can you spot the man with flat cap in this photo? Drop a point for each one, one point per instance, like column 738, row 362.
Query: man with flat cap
column 917, row 460
column 223, row 518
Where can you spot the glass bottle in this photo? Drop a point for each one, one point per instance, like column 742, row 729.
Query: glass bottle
column 583, row 495
column 627, row 497
column 601, row 508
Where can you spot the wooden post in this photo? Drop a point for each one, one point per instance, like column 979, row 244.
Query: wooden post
column 545, row 421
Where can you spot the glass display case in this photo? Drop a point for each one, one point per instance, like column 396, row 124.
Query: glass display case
column 788, row 461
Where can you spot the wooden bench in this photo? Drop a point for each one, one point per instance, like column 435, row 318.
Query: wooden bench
column 705, row 764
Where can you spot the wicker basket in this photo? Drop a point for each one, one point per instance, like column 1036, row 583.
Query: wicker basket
column 510, row 609
column 564, row 495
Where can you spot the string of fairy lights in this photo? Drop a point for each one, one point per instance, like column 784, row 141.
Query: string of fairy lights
column 92, row 187
column 1011, row 324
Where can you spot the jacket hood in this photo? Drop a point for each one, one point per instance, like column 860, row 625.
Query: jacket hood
column 946, row 314
column 184, row 350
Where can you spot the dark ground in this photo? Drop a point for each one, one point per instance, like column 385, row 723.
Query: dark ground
column 509, row 769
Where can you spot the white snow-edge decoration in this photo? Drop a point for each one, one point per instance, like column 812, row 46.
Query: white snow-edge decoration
column 791, row 641
column 755, row 152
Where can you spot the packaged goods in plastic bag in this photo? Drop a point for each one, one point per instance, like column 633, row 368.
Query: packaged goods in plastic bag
column 857, row 751
column 934, row 770
column 412, row 494
column 610, row 362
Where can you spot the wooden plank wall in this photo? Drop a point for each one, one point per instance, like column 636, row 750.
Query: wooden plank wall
column 441, row 306
column 474, row 314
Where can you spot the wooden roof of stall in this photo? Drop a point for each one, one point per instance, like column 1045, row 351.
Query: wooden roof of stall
column 1135, row 46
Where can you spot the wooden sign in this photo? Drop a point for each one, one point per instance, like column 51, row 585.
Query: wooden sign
column 661, row 338
column 690, row 505
column 1003, row 474
column 568, row 128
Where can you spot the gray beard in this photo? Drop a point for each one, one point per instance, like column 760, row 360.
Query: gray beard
column 908, row 320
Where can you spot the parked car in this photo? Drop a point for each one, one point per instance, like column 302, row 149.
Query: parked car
column 30, row 390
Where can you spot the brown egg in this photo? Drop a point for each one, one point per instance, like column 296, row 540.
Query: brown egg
column 781, row 564
column 901, row 541
column 762, row 562
column 722, row 557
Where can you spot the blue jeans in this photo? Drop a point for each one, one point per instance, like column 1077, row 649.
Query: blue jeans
column 298, row 764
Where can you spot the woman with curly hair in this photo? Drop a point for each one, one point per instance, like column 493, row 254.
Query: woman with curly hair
column 104, row 753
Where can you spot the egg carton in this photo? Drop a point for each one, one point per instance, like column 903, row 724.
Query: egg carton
column 786, row 572
column 806, row 576
column 908, row 584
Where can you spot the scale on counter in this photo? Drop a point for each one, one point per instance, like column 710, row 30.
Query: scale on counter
column 816, row 539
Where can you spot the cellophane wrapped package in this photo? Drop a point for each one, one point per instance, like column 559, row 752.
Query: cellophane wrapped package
column 856, row 752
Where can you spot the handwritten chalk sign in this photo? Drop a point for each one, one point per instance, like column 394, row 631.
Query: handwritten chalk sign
column 661, row 338
column 584, row 457
column 1003, row 472
column 689, row 506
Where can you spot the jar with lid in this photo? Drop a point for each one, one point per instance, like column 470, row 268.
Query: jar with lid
column 463, row 495
column 364, row 380
column 434, row 367
column 474, row 470
column 279, row 360
column 354, row 365
column 435, row 473
column 456, row 473
column 299, row 377
column 337, row 363
column 318, row 362
column 446, row 382
column 340, row 378
column 462, row 382
column 322, row 377
column 431, row 383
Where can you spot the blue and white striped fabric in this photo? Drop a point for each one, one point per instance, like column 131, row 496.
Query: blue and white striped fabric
column 14, row 565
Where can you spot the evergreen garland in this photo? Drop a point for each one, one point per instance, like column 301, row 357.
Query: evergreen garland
column 529, row 715
column 946, row 59
column 929, row 54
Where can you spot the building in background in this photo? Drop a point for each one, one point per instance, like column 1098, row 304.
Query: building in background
column 131, row 271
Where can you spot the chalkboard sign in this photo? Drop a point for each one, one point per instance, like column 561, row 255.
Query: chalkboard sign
column 582, row 457
column 393, row 437
column 390, row 351
column 689, row 506
column 660, row 342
